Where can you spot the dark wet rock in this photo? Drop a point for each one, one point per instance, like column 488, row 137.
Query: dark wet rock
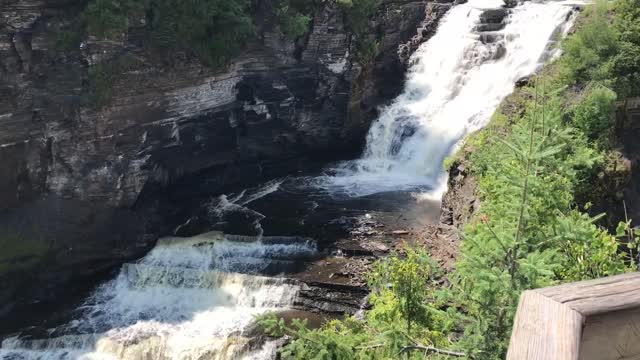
column 433, row 13
column 492, row 20
column 490, row 27
column 491, row 37
column 460, row 202
column 523, row 81
column 498, row 51
column 493, row 16
column 331, row 298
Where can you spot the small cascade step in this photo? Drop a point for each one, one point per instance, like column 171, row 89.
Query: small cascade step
column 68, row 342
column 141, row 275
column 234, row 253
column 201, row 239
column 272, row 240
column 111, row 346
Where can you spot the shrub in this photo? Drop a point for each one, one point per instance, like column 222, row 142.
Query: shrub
column 108, row 19
column 294, row 16
column 358, row 13
column 215, row 30
column 522, row 240
column 594, row 114
column 295, row 25
column 587, row 51
column 604, row 52
column 627, row 20
column 625, row 69
column 589, row 251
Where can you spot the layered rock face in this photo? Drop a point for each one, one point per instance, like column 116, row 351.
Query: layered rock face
column 78, row 182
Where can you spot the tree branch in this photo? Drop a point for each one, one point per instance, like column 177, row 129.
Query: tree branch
column 431, row 349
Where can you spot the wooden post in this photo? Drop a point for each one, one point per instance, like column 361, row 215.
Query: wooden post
column 588, row 320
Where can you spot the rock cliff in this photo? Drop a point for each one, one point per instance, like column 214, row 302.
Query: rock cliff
column 78, row 182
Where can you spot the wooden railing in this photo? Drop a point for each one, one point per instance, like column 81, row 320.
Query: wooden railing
column 588, row 320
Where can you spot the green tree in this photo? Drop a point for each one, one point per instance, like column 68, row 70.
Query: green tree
column 593, row 116
column 358, row 13
column 215, row 30
column 109, row 19
column 294, row 16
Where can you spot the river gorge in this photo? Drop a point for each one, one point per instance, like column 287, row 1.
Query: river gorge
column 257, row 232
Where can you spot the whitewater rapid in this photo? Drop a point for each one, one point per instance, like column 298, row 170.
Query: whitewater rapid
column 186, row 300
column 454, row 84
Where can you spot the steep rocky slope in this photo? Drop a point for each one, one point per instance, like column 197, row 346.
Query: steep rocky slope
column 80, row 184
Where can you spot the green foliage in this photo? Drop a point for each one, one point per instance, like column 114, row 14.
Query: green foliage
column 589, row 251
column 215, row 30
column 625, row 67
column 627, row 16
column 102, row 76
column 295, row 25
column 358, row 13
column 294, row 16
column 588, row 49
column 605, row 53
column 404, row 313
column 366, row 49
column 522, row 240
column 593, row 116
column 108, row 19
column 402, row 284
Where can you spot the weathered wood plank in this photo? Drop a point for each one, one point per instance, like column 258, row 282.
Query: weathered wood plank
column 611, row 336
column 544, row 329
column 598, row 296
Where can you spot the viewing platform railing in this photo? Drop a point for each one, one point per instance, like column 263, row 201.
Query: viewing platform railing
column 588, row 320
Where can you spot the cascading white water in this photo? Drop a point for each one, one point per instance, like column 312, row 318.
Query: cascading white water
column 455, row 83
column 185, row 300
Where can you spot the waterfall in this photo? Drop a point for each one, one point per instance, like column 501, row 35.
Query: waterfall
column 185, row 300
column 455, row 83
